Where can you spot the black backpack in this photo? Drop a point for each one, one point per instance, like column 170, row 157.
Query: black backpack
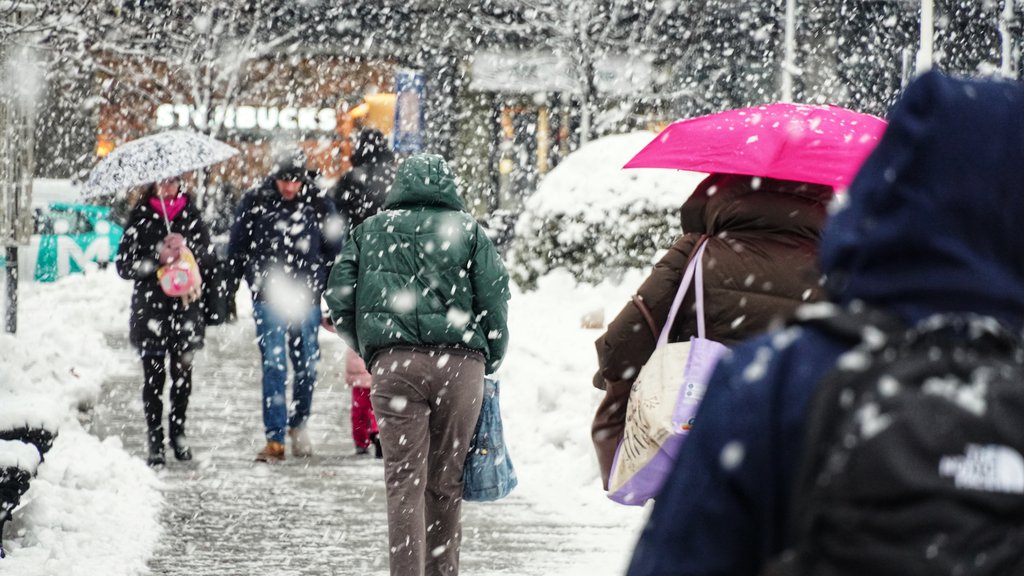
column 912, row 459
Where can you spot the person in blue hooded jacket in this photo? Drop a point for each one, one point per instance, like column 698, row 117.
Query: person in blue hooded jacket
column 931, row 225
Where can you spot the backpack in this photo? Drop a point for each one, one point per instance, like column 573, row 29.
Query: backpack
column 912, row 457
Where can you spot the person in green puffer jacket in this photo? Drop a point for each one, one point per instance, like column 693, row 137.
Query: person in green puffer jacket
column 421, row 293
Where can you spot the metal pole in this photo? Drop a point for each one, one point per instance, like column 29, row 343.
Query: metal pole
column 924, row 53
column 1006, row 26
column 789, row 58
column 11, row 311
column 543, row 139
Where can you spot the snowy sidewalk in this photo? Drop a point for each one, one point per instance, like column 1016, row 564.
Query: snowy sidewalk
column 225, row 514
column 95, row 508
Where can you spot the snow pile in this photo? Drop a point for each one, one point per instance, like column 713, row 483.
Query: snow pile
column 592, row 183
column 58, row 358
column 597, row 220
column 92, row 509
column 15, row 454
column 548, row 402
column 91, row 506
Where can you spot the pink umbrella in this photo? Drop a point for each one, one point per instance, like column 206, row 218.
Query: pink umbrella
column 818, row 144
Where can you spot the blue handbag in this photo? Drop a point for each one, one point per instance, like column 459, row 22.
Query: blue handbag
column 488, row 474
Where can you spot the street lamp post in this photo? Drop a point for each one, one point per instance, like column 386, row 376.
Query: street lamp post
column 924, row 53
column 17, row 139
column 1007, row 26
column 789, row 58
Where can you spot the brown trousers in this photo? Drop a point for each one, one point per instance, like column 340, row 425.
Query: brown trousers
column 427, row 402
column 609, row 425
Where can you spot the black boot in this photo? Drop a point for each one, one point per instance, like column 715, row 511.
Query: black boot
column 375, row 439
column 156, row 448
column 182, row 451
column 156, row 457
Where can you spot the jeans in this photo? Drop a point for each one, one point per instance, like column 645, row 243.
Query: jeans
column 303, row 349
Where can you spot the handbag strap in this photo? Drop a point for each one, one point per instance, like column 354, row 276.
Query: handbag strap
column 699, row 285
column 638, row 301
column 693, row 267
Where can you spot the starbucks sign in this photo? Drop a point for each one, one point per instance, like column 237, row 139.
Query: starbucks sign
column 264, row 118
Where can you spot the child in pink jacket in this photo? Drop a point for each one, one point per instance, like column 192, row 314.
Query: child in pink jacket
column 364, row 423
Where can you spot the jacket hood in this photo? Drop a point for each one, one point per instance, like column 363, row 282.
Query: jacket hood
column 424, row 180
column 932, row 220
column 731, row 203
column 371, row 148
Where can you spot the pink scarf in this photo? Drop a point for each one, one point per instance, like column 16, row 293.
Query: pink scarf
column 173, row 208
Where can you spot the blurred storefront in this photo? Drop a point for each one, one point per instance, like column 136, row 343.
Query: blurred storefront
column 278, row 104
column 535, row 109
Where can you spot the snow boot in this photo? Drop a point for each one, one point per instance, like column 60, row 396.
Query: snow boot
column 156, row 457
column 377, row 451
column 182, row 451
column 302, row 447
column 272, row 452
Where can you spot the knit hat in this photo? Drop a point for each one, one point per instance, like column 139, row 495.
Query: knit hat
column 292, row 166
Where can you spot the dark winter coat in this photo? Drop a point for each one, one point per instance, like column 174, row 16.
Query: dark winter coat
column 274, row 238
column 759, row 265
column 423, row 272
column 160, row 322
column 932, row 226
column 361, row 192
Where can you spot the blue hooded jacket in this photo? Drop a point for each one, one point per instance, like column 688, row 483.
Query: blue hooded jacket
column 931, row 225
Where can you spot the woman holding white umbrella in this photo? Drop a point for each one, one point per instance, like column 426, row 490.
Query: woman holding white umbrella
column 164, row 250
column 166, row 329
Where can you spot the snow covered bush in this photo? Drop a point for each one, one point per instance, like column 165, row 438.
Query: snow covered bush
column 596, row 220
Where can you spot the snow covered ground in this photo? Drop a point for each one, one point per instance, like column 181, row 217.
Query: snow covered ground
column 93, row 509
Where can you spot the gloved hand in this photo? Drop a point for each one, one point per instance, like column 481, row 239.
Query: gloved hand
column 170, row 250
column 326, row 322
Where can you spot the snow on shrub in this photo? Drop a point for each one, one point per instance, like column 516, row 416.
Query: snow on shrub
column 596, row 220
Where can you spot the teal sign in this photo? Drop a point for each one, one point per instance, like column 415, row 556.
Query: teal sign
column 68, row 238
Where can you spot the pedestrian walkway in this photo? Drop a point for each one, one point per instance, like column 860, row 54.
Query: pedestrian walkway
column 226, row 515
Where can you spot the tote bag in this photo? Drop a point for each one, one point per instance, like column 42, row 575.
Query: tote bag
column 180, row 276
column 664, row 401
column 488, row 473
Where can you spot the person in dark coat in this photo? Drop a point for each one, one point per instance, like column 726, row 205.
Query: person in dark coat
column 220, row 214
column 284, row 241
column 759, row 265
column 359, row 194
column 931, row 226
column 165, row 329
column 362, row 190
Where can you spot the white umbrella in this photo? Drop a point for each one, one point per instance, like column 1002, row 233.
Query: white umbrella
column 154, row 158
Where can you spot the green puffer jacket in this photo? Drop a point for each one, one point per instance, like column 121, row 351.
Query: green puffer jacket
column 422, row 272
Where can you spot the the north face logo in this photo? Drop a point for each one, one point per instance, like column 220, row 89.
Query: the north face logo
column 991, row 468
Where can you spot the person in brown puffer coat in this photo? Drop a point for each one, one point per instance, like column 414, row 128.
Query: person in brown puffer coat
column 759, row 265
